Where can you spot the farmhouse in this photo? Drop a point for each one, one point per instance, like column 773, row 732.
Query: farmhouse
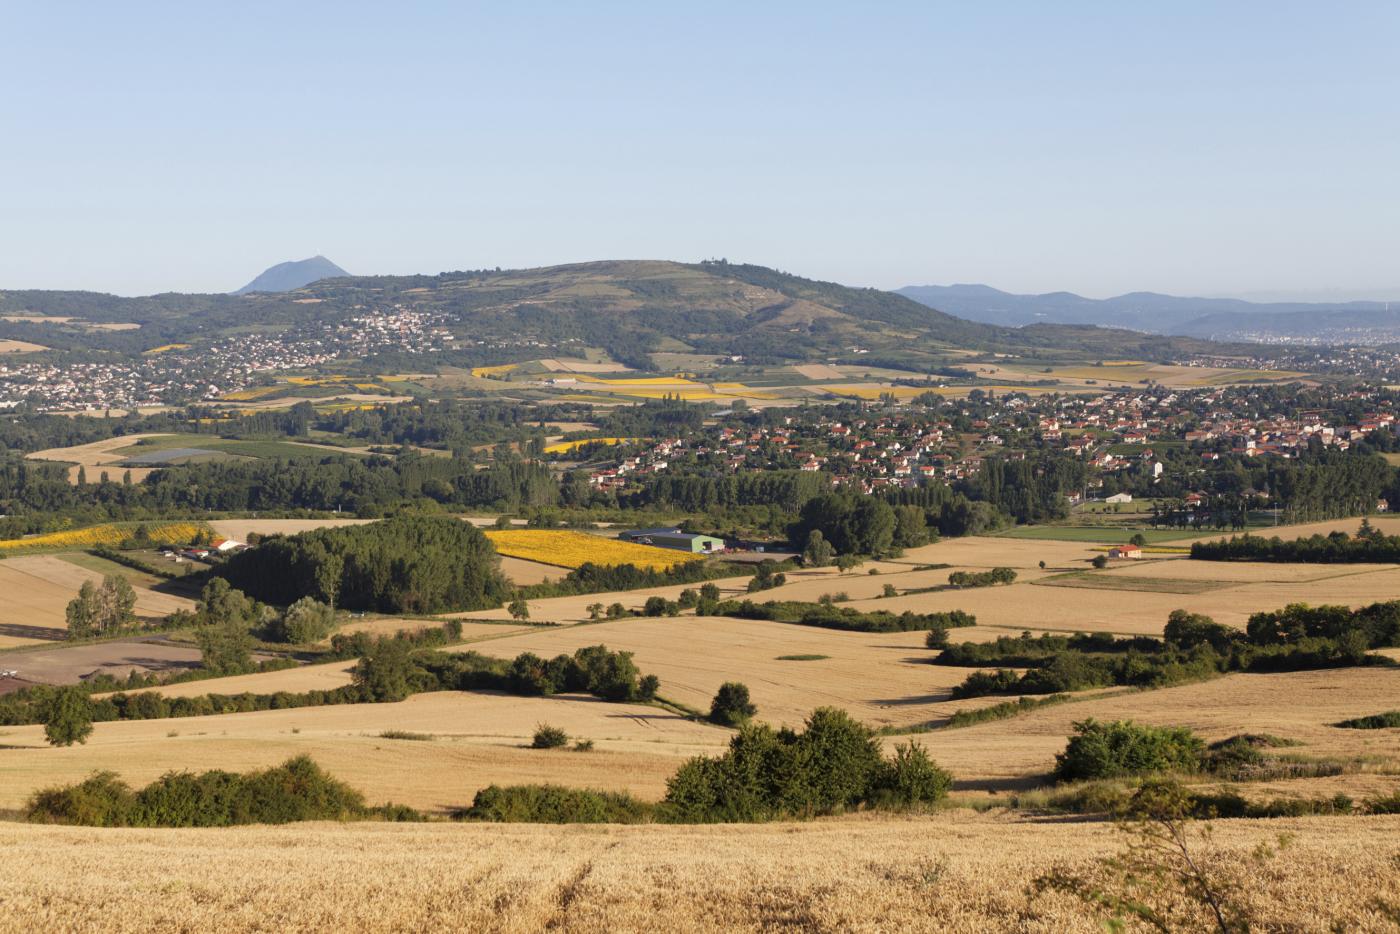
column 676, row 539
column 1125, row 551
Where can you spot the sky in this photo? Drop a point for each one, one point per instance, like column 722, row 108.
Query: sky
column 1190, row 148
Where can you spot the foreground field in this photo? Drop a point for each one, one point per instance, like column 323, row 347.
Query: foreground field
column 947, row 872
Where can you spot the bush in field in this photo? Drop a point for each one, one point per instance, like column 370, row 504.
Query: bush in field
column 552, row 804
column 731, row 706
column 912, row 778
column 1379, row 721
column 1122, row 748
column 548, row 737
column 963, row 579
column 308, row 620
column 832, row 765
column 68, row 719
column 296, row 790
column 613, row 676
column 387, row 672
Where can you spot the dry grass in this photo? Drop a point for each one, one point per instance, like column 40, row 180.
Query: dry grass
column 96, row 455
column 523, row 573
column 1091, row 581
column 948, row 873
column 882, row 679
column 239, row 529
column 1298, row 705
column 388, row 625
column 12, row 346
column 37, row 589
column 480, row 738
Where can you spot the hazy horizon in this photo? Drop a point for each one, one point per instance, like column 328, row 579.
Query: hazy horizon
column 1195, row 150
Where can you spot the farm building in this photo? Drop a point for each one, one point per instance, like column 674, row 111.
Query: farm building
column 676, row 539
column 1125, row 551
column 1119, row 498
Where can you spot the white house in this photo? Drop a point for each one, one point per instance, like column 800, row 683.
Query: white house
column 1119, row 498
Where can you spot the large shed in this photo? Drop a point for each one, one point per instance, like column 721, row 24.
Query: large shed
column 675, row 539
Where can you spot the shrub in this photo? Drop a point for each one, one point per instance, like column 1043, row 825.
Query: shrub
column 296, row 790
column 1122, row 748
column 832, row 765
column 1380, row 721
column 549, row 737
column 912, row 778
column 731, row 706
column 1383, row 804
column 962, row 579
column 552, row 804
column 102, row 800
column 308, row 620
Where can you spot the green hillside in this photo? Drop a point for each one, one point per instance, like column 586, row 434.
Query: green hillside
column 629, row 308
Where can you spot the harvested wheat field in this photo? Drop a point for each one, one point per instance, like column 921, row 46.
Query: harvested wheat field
column 1099, row 601
column 240, row 529
column 1019, row 553
column 1389, row 525
column 1298, row 706
column 950, row 872
column 523, row 573
column 477, row 739
column 880, row 678
column 574, row 609
column 323, row 677
column 388, row 625
column 37, row 589
column 14, row 346
column 96, row 456
column 1240, row 572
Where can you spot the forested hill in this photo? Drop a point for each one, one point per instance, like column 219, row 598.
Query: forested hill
column 631, row 308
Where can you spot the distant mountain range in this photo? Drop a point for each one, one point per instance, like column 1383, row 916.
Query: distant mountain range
column 287, row 276
column 1224, row 319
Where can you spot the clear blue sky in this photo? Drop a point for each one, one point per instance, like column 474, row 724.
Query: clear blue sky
column 1204, row 148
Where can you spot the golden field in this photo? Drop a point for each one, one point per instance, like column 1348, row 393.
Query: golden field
column 96, row 455
column 954, row 870
column 37, row 589
column 479, row 738
column 570, row 549
column 947, row 873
